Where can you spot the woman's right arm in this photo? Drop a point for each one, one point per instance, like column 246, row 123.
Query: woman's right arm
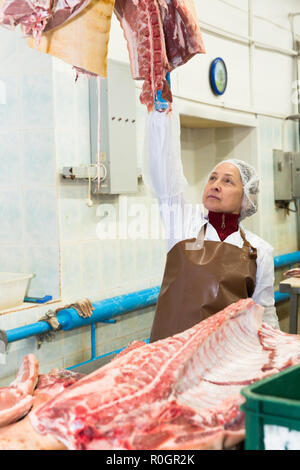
column 163, row 175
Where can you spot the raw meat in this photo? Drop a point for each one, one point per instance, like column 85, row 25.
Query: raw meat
column 142, row 25
column 178, row 393
column 133, row 345
column 55, row 382
column 295, row 272
column 27, row 375
column 37, row 16
column 160, row 35
column 181, row 30
column 21, row 435
column 16, row 400
column 13, row 405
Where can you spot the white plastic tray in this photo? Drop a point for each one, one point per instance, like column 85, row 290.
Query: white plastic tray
column 13, row 288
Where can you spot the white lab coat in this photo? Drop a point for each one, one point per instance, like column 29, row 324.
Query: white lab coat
column 163, row 175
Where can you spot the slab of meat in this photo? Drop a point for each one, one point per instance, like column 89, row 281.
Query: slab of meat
column 295, row 272
column 181, row 30
column 16, row 400
column 143, row 29
column 178, row 393
column 160, row 35
column 21, row 435
column 37, row 16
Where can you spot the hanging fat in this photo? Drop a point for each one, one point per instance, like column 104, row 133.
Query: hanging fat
column 83, row 41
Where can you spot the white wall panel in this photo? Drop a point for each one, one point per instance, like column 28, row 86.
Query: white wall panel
column 277, row 11
column 269, row 33
column 193, row 77
column 272, row 83
column 223, row 15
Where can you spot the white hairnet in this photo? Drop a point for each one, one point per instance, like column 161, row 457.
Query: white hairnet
column 250, row 182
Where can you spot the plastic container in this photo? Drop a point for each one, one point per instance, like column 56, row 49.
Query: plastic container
column 272, row 412
column 13, row 287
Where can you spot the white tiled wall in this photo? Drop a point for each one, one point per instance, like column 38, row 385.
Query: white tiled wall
column 28, row 204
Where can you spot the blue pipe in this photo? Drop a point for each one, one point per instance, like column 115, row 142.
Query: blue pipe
column 27, row 330
column 104, row 311
column 280, row 297
column 285, row 260
column 288, row 259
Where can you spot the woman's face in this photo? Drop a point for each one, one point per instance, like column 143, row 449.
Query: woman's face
column 224, row 190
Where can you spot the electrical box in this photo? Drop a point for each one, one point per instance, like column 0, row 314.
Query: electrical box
column 118, row 143
column 286, row 175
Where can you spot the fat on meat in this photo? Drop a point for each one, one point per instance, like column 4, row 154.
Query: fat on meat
column 295, row 272
column 182, row 392
column 21, row 435
column 16, row 400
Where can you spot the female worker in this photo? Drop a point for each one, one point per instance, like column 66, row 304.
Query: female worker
column 212, row 261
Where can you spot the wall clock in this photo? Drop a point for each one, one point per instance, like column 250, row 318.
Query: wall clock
column 218, row 76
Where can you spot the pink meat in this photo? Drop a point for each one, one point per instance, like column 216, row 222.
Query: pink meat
column 160, row 35
column 20, row 435
column 13, row 405
column 133, row 345
column 55, row 382
column 38, row 16
column 295, row 272
column 143, row 30
column 16, row 400
column 27, row 375
column 181, row 30
column 176, row 393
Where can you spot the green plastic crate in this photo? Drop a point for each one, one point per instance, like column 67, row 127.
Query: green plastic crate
column 272, row 412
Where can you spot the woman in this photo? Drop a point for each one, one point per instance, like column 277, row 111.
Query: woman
column 212, row 261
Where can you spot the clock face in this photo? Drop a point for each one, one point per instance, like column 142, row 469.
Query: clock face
column 218, row 76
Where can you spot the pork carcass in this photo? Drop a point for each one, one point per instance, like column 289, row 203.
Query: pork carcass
column 16, row 400
column 20, row 435
column 161, row 35
column 181, row 392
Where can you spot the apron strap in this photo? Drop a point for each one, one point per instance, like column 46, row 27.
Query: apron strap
column 252, row 252
column 198, row 244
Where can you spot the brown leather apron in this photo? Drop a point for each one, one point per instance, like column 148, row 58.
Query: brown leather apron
column 201, row 278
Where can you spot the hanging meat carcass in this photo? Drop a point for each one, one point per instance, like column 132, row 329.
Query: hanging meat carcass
column 161, row 35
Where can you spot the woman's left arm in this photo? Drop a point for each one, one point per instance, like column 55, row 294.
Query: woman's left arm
column 264, row 288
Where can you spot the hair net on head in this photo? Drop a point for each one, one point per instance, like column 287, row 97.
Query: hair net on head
column 250, row 182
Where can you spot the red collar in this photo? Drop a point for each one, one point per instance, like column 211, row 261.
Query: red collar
column 224, row 223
